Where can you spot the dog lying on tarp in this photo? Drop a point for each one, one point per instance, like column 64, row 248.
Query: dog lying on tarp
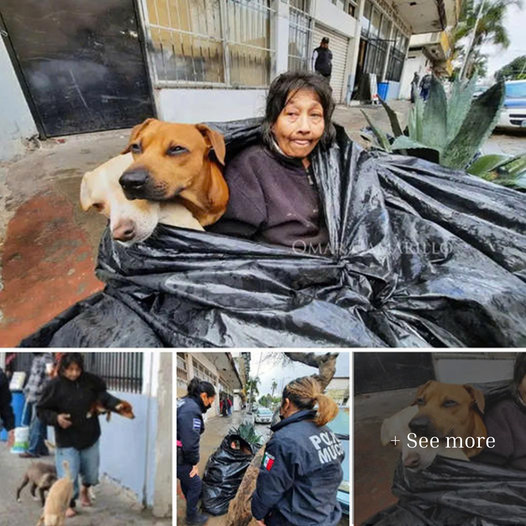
column 420, row 255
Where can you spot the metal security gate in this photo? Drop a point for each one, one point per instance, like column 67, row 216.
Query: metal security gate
column 338, row 44
column 79, row 61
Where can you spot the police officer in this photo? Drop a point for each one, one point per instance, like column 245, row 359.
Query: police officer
column 190, row 427
column 301, row 469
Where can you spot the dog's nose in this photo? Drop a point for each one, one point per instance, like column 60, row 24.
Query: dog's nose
column 412, row 460
column 419, row 425
column 134, row 179
column 124, row 230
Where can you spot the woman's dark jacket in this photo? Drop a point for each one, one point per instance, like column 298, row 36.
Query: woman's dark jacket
column 273, row 199
column 76, row 399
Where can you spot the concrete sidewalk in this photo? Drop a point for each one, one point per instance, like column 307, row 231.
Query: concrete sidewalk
column 113, row 506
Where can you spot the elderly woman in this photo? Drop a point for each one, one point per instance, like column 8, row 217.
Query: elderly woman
column 273, row 194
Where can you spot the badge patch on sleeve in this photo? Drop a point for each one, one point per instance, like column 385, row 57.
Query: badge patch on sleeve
column 268, row 462
column 197, row 424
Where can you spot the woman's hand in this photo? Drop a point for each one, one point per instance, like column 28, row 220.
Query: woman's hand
column 260, row 523
column 63, row 420
column 194, row 472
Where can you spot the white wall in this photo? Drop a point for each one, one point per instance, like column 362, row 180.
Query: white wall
column 334, row 17
column 192, row 105
column 16, row 121
column 460, row 371
column 415, row 61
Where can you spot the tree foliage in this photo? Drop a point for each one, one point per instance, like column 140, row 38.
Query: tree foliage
column 515, row 70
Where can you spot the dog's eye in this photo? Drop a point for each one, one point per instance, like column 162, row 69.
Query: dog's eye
column 449, row 403
column 176, row 150
column 420, row 401
column 136, row 147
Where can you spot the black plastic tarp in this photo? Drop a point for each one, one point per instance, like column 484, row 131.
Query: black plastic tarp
column 224, row 472
column 457, row 493
column 420, row 256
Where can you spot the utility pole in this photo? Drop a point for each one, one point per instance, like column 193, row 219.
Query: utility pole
column 471, row 40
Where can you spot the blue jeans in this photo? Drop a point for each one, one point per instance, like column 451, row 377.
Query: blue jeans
column 83, row 462
column 37, row 434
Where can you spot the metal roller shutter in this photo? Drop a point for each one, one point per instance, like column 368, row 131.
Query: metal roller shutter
column 338, row 44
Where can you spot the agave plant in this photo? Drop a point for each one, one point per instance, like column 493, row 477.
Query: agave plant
column 247, row 432
column 450, row 131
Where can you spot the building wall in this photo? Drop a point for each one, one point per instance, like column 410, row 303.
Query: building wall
column 17, row 123
column 162, row 498
column 466, row 370
column 334, row 17
column 192, row 105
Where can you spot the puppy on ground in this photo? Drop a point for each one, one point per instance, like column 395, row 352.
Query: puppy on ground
column 58, row 500
column 41, row 476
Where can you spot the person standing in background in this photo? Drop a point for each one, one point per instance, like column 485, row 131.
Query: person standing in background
column 40, row 374
column 414, row 86
column 425, row 85
column 322, row 59
column 7, row 416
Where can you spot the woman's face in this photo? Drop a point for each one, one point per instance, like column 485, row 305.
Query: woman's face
column 72, row 372
column 300, row 124
column 207, row 400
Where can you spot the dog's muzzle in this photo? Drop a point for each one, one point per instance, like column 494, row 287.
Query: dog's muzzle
column 134, row 183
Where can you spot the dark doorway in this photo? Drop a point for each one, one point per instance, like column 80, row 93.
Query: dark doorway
column 385, row 371
column 81, row 63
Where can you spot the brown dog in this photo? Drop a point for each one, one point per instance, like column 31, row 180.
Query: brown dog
column 41, row 476
column 176, row 161
column 449, row 410
column 58, row 499
column 123, row 408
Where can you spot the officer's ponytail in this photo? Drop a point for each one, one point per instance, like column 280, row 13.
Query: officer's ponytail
column 305, row 393
column 196, row 387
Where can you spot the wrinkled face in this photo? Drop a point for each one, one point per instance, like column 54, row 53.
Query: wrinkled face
column 300, row 124
column 72, row 372
column 445, row 410
column 168, row 158
column 130, row 221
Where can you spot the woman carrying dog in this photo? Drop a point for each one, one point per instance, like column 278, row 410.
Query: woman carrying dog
column 273, row 192
column 190, row 427
column 301, row 469
column 65, row 404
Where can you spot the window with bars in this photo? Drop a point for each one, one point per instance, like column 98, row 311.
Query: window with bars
column 223, row 43
column 300, row 35
column 122, row 371
column 203, row 373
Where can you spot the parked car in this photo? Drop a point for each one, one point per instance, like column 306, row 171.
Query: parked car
column 263, row 416
column 513, row 113
column 340, row 427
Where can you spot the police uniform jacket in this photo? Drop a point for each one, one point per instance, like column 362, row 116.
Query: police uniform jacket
column 190, row 427
column 300, row 473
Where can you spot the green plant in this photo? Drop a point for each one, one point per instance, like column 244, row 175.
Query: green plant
column 247, row 432
column 450, row 131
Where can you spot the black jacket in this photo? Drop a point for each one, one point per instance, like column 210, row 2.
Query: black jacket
column 323, row 60
column 190, row 427
column 300, row 473
column 6, row 411
column 75, row 398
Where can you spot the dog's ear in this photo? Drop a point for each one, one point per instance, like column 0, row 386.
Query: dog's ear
column 477, row 396
column 136, row 131
column 421, row 390
column 215, row 140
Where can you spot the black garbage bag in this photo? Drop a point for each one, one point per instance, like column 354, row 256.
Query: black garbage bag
column 420, row 255
column 458, row 493
column 224, row 472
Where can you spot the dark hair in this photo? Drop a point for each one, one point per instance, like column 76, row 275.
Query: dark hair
column 286, row 85
column 325, row 40
column 69, row 358
column 196, row 387
column 519, row 369
column 305, row 393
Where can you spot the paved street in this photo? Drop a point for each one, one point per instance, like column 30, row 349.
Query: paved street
column 113, row 505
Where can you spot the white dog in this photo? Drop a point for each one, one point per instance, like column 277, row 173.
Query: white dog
column 130, row 221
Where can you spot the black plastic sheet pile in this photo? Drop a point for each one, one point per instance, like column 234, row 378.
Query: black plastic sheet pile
column 224, row 472
column 420, row 255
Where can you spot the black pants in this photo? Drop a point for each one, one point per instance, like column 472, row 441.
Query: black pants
column 191, row 487
column 275, row 518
